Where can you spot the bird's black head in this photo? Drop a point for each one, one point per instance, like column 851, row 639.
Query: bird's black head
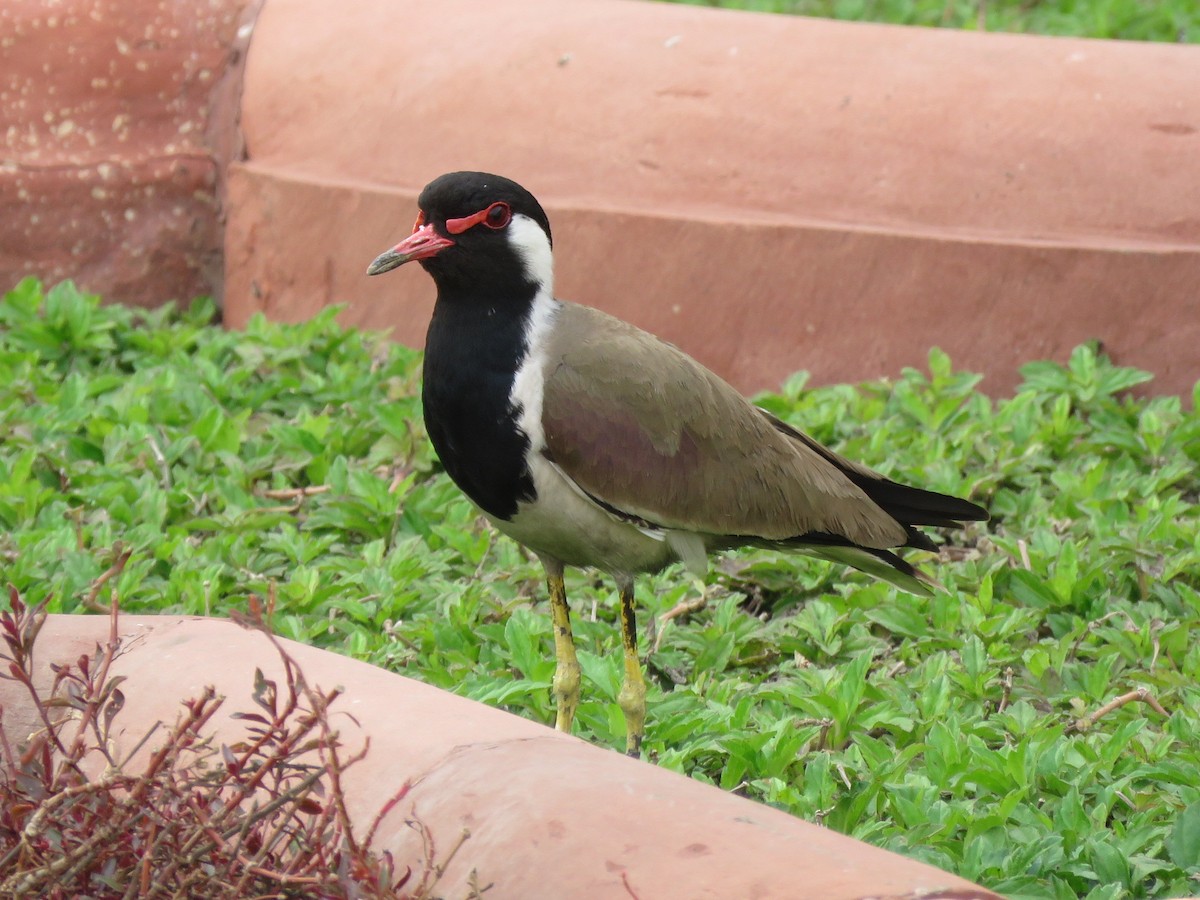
column 477, row 234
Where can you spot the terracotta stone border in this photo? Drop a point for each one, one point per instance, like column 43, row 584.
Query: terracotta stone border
column 549, row 815
column 119, row 121
column 770, row 193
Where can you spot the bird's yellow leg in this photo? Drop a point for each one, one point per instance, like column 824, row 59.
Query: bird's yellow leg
column 566, row 673
column 632, row 697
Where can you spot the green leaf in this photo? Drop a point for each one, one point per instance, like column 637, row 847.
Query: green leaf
column 1183, row 842
column 291, row 460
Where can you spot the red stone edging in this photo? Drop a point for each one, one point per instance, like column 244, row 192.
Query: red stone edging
column 549, row 815
column 770, row 193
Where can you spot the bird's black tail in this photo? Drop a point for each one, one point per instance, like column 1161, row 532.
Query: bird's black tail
column 911, row 507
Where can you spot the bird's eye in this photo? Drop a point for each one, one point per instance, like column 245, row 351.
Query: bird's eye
column 498, row 215
column 420, row 221
column 495, row 217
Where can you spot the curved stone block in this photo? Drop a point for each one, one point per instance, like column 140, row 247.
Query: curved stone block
column 770, row 193
column 549, row 815
column 119, row 121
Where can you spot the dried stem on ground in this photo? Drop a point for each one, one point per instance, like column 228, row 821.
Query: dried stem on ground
column 261, row 816
column 1141, row 695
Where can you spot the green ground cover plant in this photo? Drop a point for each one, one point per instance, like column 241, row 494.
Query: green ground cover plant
column 1171, row 21
column 1034, row 727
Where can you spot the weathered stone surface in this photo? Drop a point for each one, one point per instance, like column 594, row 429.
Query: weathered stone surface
column 119, row 119
column 770, row 193
column 549, row 815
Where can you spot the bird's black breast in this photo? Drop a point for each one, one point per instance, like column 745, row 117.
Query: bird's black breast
column 472, row 354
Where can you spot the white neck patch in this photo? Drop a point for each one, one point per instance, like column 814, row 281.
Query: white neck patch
column 529, row 240
column 526, row 395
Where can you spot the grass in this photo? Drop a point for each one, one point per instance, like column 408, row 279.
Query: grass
column 1139, row 20
column 182, row 468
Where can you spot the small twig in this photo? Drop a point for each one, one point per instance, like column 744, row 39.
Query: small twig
column 755, row 659
column 100, row 689
column 650, row 640
column 62, row 869
column 1023, row 549
column 476, row 889
column 841, row 770
column 281, row 877
column 391, row 631
column 143, row 881
column 1093, row 625
column 820, row 814
column 628, row 887
column 103, row 578
column 398, row 473
column 287, row 509
column 682, row 608
column 37, row 821
column 384, row 810
column 75, row 514
column 1156, row 625
column 1006, row 686
column 1141, row 694
column 319, row 703
column 825, row 725
column 440, row 869
column 163, row 468
column 293, row 493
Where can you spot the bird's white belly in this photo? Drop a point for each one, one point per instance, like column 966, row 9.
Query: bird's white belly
column 566, row 524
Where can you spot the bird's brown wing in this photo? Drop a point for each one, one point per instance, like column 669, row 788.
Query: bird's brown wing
column 650, row 433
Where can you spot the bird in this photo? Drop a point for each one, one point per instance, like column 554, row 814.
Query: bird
column 597, row 445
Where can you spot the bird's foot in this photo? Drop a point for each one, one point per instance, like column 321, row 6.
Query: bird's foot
column 566, row 691
column 635, row 727
column 632, row 700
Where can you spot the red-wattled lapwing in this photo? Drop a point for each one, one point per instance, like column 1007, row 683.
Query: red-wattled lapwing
column 596, row 444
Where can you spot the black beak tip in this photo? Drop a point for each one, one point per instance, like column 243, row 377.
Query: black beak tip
column 385, row 262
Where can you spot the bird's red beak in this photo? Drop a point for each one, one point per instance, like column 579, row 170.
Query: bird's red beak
column 423, row 243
